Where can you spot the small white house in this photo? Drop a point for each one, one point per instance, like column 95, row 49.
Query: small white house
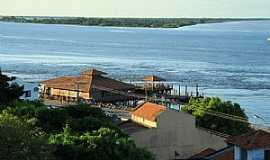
column 31, row 91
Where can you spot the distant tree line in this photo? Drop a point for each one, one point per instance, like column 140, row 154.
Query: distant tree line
column 119, row 22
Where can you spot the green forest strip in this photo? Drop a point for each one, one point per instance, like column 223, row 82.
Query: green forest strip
column 122, row 22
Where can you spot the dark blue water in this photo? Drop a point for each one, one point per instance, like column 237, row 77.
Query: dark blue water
column 231, row 60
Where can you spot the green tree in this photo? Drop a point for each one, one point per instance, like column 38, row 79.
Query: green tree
column 105, row 144
column 51, row 120
column 212, row 113
column 88, row 134
column 82, row 110
column 9, row 90
column 20, row 140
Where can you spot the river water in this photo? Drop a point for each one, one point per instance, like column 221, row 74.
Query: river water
column 230, row 60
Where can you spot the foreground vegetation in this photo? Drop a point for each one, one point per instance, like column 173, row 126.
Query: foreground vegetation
column 31, row 131
column 215, row 114
column 9, row 91
column 119, row 22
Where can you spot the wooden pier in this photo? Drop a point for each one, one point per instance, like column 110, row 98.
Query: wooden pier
column 155, row 88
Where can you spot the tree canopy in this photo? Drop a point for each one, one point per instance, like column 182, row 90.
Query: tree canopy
column 205, row 110
column 20, row 139
column 79, row 132
column 9, row 90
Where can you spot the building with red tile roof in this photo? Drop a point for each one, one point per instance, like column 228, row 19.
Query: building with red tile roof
column 226, row 153
column 147, row 113
column 254, row 145
column 251, row 140
column 154, row 84
column 203, row 154
column 169, row 134
column 89, row 85
column 153, row 78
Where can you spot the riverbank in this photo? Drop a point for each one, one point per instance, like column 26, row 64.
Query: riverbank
column 122, row 22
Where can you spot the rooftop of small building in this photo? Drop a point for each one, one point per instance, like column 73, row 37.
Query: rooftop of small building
column 148, row 110
column 153, row 78
column 255, row 139
column 226, row 153
column 130, row 127
column 93, row 71
column 203, row 153
column 88, row 79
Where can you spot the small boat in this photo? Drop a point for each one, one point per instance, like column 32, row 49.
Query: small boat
column 268, row 39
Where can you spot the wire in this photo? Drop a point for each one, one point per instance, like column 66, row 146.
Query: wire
column 209, row 112
column 231, row 117
column 221, row 113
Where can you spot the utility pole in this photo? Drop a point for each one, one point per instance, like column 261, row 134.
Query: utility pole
column 78, row 90
column 146, row 97
column 78, row 93
column 197, row 90
column 186, row 91
column 179, row 90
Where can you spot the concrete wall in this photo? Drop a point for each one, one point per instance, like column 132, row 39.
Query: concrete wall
column 256, row 154
column 95, row 94
column 144, row 122
column 66, row 93
column 176, row 133
column 99, row 95
column 30, row 87
column 237, row 153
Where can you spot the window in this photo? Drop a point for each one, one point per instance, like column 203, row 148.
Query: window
column 48, row 91
column 267, row 155
column 243, row 154
column 36, row 89
column 28, row 93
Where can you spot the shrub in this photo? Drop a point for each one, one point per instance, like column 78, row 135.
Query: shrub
column 201, row 108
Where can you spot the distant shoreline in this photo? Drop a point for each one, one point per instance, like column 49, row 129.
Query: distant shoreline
column 123, row 22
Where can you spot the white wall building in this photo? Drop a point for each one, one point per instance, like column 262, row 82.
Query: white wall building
column 31, row 91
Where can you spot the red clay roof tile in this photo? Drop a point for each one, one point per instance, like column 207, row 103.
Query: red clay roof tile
column 153, row 78
column 203, row 153
column 251, row 140
column 86, row 81
column 149, row 111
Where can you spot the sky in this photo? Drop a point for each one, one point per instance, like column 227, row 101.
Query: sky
column 137, row 8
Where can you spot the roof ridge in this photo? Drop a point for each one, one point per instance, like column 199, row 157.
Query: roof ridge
column 252, row 139
column 137, row 107
column 149, row 110
column 92, row 72
column 220, row 151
